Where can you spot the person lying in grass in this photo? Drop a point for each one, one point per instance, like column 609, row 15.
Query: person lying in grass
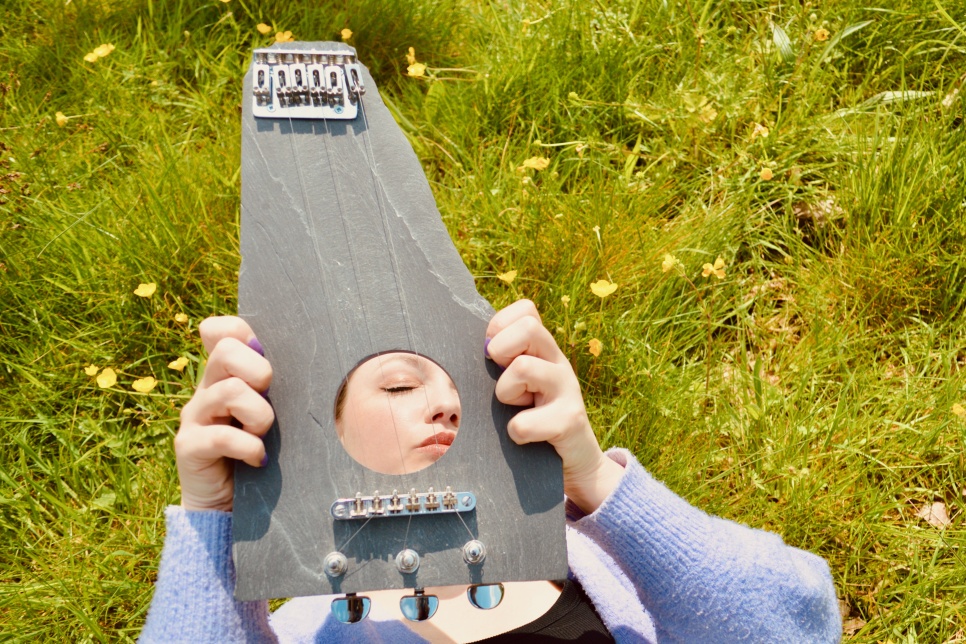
column 645, row 566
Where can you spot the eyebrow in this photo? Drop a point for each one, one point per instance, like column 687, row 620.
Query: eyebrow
column 410, row 358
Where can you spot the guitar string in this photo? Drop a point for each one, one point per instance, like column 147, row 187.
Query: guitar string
column 315, row 239
column 378, row 188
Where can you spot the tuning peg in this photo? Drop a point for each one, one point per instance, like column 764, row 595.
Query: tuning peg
column 485, row 596
column 351, row 608
column 419, row 606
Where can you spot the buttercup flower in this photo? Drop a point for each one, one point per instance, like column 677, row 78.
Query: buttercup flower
column 535, row 163
column 179, row 364
column 595, row 346
column 603, row 288
column 146, row 289
column 263, row 29
column 144, row 385
column 507, row 277
column 99, row 52
column 107, row 378
column 717, row 269
column 669, row 263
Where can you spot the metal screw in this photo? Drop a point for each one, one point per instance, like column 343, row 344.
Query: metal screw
column 474, row 552
column 339, row 511
column 466, row 500
column 407, row 561
column 335, row 564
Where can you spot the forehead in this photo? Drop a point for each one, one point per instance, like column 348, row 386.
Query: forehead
column 374, row 367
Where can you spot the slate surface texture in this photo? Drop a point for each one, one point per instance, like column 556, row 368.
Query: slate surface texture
column 344, row 255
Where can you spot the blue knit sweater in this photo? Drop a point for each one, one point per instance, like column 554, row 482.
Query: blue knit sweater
column 656, row 569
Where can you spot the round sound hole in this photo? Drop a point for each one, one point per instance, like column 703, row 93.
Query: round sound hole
column 397, row 412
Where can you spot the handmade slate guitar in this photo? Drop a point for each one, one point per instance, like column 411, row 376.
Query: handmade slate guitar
column 344, row 256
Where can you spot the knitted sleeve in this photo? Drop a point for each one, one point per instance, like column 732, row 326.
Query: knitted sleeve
column 193, row 599
column 707, row 579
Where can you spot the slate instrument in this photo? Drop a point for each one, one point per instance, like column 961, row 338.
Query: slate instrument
column 345, row 257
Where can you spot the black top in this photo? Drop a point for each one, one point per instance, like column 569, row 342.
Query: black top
column 572, row 618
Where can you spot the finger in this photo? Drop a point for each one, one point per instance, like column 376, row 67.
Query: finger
column 219, row 327
column 210, row 443
column 524, row 336
column 510, row 314
column 230, row 358
column 528, row 377
column 230, row 398
column 548, row 423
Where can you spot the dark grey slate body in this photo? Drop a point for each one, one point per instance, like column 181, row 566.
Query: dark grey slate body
column 344, row 255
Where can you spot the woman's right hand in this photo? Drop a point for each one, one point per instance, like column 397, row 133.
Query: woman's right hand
column 228, row 396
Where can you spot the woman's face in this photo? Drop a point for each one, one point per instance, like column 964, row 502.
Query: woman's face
column 400, row 413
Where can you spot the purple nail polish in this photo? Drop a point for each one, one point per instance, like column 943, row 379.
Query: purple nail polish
column 264, row 394
column 256, row 346
column 265, row 459
column 486, row 348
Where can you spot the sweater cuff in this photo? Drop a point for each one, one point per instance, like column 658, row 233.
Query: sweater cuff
column 194, row 596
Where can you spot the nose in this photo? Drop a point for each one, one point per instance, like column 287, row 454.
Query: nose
column 444, row 408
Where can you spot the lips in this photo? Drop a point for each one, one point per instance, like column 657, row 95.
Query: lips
column 439, row 438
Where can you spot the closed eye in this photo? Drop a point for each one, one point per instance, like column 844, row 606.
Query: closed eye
column 397, row 390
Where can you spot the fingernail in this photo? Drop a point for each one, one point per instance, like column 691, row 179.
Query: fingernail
column 265, row 460
column 256, row 346
column 265, row 393
column 486, row 348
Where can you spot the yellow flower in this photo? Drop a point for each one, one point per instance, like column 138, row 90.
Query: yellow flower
column 60, row 118
column 179, row 364
column 717, row 270
column 766, row 174
column 595, row 346
column 821, row 35
column 760, row 130
column 411, row 57
column 107, row 378
column 90, row 370
column 226, row 1
column 959, row 410
column 603, row 288
column 284, row 36
column 507, row 277
column 565, row 300
column 346, row 33
column 146, row 290
column 535, row 163
column 99, row 52
column 263, row 29
column 180, row 318
column 144, row 385
column 416, row 70
column 670, row 262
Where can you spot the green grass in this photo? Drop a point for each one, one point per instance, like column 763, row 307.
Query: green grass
column 809, row 392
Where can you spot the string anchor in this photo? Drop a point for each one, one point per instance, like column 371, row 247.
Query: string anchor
column 474, row 552
column 351, row 608
column 407, row 561
column 419, row 606
column 335, row 564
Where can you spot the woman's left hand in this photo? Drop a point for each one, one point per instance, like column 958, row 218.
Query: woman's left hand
column 537, row 373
